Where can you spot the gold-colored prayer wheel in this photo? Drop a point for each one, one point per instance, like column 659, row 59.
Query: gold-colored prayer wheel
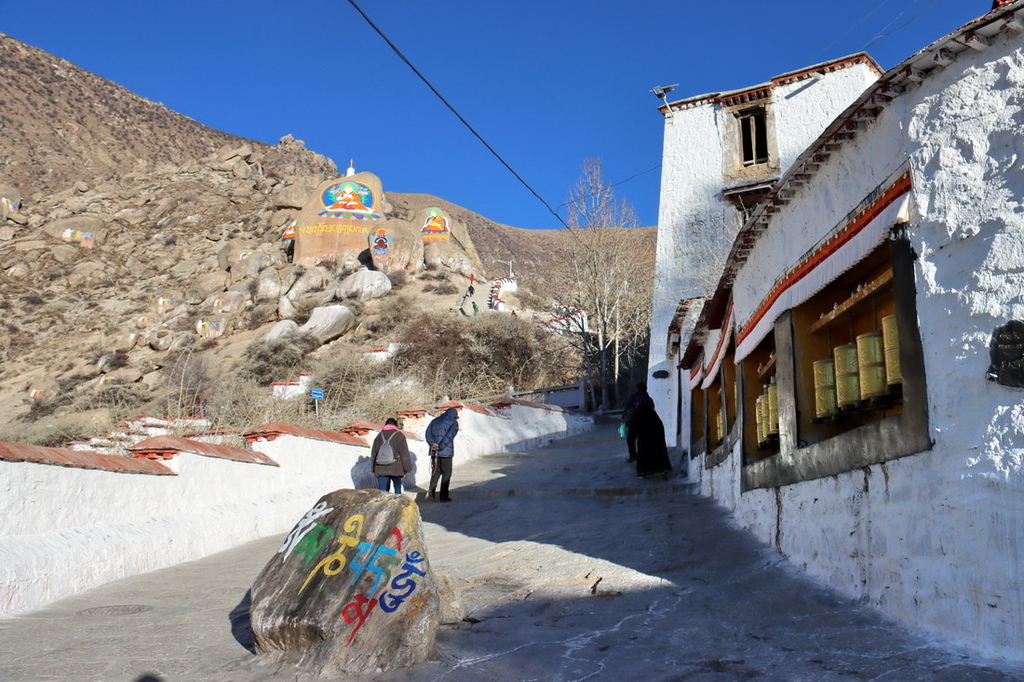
column 773, row 409
column 759, row 410
column 825, row 388
column 721, row 425
column 891, row 343
column 871, row 365
column 847, row 380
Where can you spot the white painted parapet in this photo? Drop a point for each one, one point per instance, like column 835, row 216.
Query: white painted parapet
column 72, row 520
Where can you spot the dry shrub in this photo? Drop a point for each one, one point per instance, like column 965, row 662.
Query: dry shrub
column 483, row 355
column 191, row 380
column 393, row 311
column 354, row 388
column 398, row 279
column 267, row 361
column 56, row 432
column 244, row 404
column 121, row 400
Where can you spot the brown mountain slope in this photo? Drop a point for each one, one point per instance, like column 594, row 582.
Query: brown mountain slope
column 60, row 124
column 170, row 205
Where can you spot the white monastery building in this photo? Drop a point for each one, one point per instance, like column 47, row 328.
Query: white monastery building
column 836, row 338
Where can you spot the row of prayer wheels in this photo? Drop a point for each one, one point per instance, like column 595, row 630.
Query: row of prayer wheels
column 766, row 411
column 859, row 371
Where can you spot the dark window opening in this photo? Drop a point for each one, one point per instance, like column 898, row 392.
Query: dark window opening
column 753, row 136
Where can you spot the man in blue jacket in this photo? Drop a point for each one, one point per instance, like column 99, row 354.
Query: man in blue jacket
column 440, row 437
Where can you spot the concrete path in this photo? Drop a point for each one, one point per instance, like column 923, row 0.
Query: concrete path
column 570, row 567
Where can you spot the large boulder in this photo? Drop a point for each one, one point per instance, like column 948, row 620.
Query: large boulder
column 364, row 285
column 350, row 591
column 335, row 223
column 82, row 230
column 329, row 322
column 396, row 245
column 234, row 251
column 308, row 281
column 282, row 328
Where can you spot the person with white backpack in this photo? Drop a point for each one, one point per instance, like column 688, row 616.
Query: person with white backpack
column 390, row 456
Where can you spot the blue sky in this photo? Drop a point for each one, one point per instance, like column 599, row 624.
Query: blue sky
column 546, row 83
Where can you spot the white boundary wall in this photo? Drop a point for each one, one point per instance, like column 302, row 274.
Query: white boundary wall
column 64, row 530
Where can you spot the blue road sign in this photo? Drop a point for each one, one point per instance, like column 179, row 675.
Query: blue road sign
column 316, row 393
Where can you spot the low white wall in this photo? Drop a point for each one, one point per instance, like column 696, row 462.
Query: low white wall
column 64, row 530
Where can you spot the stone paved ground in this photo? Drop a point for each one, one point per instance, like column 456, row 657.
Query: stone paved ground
column 570, row 568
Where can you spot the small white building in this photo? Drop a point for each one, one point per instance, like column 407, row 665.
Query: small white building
column 839, row 377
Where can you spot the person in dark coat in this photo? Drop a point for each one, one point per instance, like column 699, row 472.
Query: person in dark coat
column 440, row 436
column 638, row 396
column 389, row 475
column 651, row 451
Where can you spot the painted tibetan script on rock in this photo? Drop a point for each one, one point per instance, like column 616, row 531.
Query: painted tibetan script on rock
column 350, row 590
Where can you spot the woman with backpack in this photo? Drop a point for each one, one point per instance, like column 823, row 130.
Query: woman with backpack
column 390, row 456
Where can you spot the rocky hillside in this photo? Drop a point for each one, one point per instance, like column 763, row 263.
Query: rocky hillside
column 129, row 232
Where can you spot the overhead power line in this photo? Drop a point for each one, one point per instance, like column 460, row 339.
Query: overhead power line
column 455, row 111
column 614, row 184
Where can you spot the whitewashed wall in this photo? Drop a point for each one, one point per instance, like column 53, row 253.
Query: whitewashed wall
column 692, row 210
column 935, row 539
column 64, row 530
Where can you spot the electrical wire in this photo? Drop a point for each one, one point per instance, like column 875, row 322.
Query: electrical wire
column 614, row 184
column 898, row 28
column 451, row 108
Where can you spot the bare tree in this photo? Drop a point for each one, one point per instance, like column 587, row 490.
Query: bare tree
column 609, row 275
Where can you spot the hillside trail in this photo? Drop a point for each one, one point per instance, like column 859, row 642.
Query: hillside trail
column 569, row 567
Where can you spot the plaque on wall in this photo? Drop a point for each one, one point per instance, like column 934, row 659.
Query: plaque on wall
column 661, row 374
column 1007, row 355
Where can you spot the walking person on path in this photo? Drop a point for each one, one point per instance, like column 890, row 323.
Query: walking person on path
column 440, row 436
column 390, row 456
column 651, row 451
column 638, row 396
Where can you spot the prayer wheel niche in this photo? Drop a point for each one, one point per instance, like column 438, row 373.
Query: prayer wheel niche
column 871, row 365
column 891, row 343
column 847, row 380
column 825, row 388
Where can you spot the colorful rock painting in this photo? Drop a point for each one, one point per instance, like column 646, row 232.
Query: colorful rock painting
column 381, row 240
column 289, row 232
column 382, row 574
column 348, row 199
column 167, row 304
column 77, row 237
column 17, row 271
column 209, row 329
column 435, row 227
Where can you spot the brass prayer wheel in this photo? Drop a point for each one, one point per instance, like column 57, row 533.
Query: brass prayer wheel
column 871, row 365
column 760, row 418
column 891, row 342
column 773, row 409
column 825, row 388
column 847, row 381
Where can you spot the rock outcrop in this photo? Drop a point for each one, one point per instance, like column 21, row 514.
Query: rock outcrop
column 351, row 590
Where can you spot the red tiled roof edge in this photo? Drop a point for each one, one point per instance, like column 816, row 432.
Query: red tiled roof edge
column 458, row 405
column 80, row 459
column 272, row 431
column 526, row 403
column 163, row 447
